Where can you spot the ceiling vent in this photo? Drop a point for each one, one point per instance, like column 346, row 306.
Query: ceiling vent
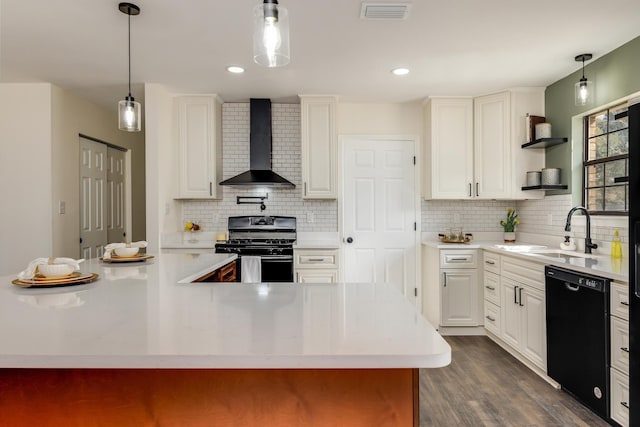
column 384, row 10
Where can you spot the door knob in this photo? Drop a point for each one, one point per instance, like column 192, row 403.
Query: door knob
column 349, row 239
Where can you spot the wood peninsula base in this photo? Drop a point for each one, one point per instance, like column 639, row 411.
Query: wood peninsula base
column 208, row 397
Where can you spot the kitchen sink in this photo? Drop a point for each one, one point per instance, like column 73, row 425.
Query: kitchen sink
column 558, row 255
column 520, row 248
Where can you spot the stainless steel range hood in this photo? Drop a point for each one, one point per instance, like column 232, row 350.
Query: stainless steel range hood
column 259, row 173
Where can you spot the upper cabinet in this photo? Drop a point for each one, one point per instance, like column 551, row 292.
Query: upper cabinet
column 319, row 147
column 448, row 153
column 199, row 130
column 472, row 146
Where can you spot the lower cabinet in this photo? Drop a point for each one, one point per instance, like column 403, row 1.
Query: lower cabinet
column 523, row 320
column 619, row 378
column 619, row 397
column 226, row 273
column 514, row 305
column 459, row 297
column 316, row 265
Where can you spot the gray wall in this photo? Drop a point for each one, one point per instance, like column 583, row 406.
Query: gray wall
column 616, row 75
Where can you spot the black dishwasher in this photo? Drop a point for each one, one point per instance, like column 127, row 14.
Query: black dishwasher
column 578, row 335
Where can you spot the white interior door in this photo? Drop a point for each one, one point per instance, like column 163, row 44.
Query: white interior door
column 116, row 196
column 93, row 198
column 379, row 215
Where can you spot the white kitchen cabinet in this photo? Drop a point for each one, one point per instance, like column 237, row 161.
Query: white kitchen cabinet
column 492, row 139
column 459, row 297
column 619, row 344
column 523, row 320
column 319, row 147
column 460, row 288
column 473, row 146
column 316, row 265
column 619, row 398
column 619, row 352
column 199, row 134
column 452, row 290
column 448, row 148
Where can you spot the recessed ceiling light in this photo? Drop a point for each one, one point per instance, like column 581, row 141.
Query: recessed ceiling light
column 235, row 69
column 400, row 71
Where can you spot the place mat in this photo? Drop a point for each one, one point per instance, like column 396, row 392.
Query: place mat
column 135, row 258
column 72, row 279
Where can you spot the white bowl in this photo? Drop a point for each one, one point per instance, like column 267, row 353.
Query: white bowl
column 126, row 252
column 55, row 270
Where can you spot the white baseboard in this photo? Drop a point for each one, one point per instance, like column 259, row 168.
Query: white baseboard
column 461, row 330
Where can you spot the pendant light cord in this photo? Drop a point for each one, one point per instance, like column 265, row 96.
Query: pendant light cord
column 129, row 19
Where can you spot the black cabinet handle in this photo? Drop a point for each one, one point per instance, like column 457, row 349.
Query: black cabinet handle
column 491, row 288
column 625, row 404
column 210, row 188
column 625, row 349
column 444, row 279
column 491, row 319
column 624, row 303
column 470, row 195
column 490, row 262
column 520, row 297
column 515, row 294
column 477, row 192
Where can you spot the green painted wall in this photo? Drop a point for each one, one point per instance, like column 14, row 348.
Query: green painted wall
column 616, row 75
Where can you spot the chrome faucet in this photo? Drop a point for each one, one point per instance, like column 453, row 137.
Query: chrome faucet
column 588, row 244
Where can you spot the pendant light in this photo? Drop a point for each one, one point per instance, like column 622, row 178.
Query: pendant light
column 270, row 34
column 584, row 88
column 129, row 116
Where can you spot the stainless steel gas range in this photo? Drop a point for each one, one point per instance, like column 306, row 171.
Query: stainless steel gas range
column 269, row 237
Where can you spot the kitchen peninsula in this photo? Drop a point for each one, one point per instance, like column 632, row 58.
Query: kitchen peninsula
column 144, row 346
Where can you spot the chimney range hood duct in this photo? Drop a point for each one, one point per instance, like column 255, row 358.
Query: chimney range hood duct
column 259, row 173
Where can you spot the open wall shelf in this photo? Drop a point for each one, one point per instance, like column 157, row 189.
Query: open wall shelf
column 544, row 142
column 546, row 187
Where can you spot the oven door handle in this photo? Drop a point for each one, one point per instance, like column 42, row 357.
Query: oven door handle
column 277, row 257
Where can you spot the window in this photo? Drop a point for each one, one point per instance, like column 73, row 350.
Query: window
column 606, row 161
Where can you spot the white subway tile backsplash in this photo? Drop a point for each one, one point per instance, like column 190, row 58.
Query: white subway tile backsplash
column 538, row 217
column 213, row 214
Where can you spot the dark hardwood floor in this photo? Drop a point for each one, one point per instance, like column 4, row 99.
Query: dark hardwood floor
column 485, row 386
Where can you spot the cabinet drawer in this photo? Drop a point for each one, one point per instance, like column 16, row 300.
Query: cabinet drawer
column 316, row 259
column 620, row 397
column 492, row 318
column 492, row 262
column 619, row 295
column 620, row 344
column 462, row 258
column 527, row 272
column 492, row 288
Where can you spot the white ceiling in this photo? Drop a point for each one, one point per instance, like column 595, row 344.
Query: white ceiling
column 453, row 47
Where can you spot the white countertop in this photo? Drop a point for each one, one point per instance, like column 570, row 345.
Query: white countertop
column 598, row 265
column 139, row 316
column 317, row 240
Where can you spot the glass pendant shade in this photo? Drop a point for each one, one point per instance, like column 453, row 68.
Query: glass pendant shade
column 584, row 92
column 270, row 34
column 129, row 115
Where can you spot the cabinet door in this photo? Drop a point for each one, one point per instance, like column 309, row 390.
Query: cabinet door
column 316, row 276
column 459, row 298
column 492, row 148
column 534, row 337
column 200, row 141
column 448, row 153
column 619, row 344
column 319, row 147
column 511, row 313
column 620, row 397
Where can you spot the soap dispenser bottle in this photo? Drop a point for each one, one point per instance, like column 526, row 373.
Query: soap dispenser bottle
column 616, row 246
column 568, row 245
